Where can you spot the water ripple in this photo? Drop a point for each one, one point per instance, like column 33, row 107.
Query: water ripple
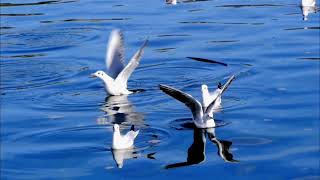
column 36, row 3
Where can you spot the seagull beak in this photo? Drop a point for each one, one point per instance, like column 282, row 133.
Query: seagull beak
column 92, row 75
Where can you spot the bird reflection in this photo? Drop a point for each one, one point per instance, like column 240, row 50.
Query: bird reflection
column 308, row 6
column 122, row 154
column 120, row 110
column 222, row 145
column 196, row 152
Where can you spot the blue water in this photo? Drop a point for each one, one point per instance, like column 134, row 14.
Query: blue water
column 56, row 122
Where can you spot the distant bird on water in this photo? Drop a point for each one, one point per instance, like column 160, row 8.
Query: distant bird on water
column 174, row 2
column 202, row 114
column 116, row 77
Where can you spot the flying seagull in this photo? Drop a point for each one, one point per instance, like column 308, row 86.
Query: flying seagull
column 123, row 141
column 202, row 116
column 116, row 77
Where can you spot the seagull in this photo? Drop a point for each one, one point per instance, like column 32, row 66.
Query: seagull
column 123, row 142
column 308, row 6
column 202, row 116
column 208, row 97
column 116, row 77
column 174, row 2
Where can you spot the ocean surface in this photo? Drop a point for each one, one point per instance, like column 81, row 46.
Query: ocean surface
column 56, row 122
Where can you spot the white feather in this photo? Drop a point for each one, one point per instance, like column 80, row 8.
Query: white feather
column 123, row 141
column 116, row 78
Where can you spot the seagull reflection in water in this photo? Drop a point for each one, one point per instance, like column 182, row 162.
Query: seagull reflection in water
column 120, row 110
column 196, row 152
column 119, row 155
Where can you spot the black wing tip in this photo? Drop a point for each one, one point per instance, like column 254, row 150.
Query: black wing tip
column 227, row 84
column 132, row 128
column 208, row 60
column 163, row 86
column 145, row 43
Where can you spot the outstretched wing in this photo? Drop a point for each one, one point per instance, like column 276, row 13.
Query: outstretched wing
column 131, row 66
column 224, row 87
column 115, row 54
column 131, row 135
column 185, row 98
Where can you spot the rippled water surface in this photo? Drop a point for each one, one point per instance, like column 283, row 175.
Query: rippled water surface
column 56, row 122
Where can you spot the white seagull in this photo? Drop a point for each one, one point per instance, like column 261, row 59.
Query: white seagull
column 116, row 77
column 308, row 6
column 208, row 97
column 201, row 115
column 123, row 142
column 174, row 2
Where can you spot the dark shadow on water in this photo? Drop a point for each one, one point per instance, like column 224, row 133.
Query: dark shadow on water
column 196, row 152
column 312, row 59
column 29, row 14
column 249, row 5
column 86, row 20
column 208, row 61
column 35, row 3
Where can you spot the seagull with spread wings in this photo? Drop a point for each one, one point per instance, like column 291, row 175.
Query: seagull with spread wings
column 116, row 77
column 208, row 97
column 202, row 114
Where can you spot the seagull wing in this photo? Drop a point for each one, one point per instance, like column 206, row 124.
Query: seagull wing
column 225, row 86
column 115, row 54
column 131, row 66
column 187, row 99
column 131, row 135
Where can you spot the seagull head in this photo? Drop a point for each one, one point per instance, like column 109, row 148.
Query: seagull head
column 99, row 74
column 116, row 128
column 204, row 88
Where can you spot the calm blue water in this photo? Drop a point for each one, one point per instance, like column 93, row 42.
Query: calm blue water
column 56, row 122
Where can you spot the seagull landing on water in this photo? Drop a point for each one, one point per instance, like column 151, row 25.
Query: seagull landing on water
column 116, row 77
column 208, row 97
column 123, row 141
column 202, row 115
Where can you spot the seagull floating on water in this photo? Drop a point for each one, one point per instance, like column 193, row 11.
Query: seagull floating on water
column 208, row 97
column 123, row 141
column 174, row 2
column 202, row 114
column 116, row 77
